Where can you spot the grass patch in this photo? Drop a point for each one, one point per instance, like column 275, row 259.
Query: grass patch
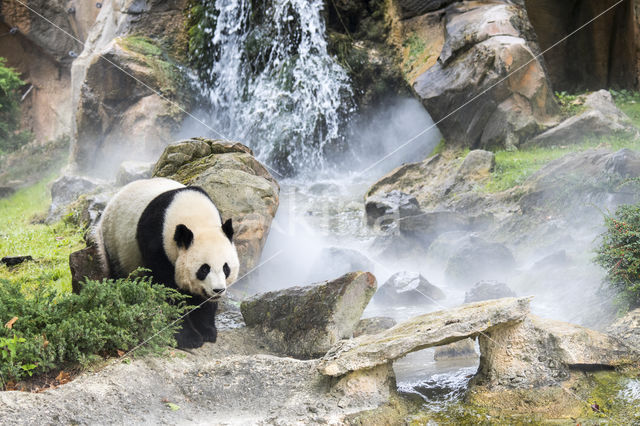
column 49, row 245
column 514, row 167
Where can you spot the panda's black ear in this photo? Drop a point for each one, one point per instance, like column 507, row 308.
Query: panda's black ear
column 183, row 236
column 227, row 228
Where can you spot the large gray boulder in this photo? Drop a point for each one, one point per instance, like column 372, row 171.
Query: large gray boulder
column 488, row 60
column 342, row 260
column 304, row 322
column 67, row 189
column 600, row 118
column 241, row 188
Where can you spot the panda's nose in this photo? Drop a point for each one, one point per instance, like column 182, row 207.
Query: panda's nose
column 218, row 290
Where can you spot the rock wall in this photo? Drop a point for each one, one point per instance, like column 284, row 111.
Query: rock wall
column 128, row 90
column 603, row 55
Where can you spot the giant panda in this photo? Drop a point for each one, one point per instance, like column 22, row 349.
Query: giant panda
column 176, row 232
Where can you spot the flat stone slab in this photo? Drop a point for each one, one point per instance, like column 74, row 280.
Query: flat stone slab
column 428, row 330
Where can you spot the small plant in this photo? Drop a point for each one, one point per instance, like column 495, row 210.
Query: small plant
column 50, row 330
column 619, row 254
column 569, row 104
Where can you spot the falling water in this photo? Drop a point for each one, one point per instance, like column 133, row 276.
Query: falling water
column 271, row 82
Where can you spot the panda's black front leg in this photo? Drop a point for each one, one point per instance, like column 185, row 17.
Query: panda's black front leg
column 204, row 319
column 188, row 337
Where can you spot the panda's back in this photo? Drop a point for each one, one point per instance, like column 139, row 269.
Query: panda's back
column 120, row 220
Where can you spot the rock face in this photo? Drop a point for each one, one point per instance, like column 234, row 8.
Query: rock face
column 373, row 325
column 433, row 329
column 483, row 44
column 407, row 289
column 627, row 328
column 600, row 118
column 540, row 352
column 383, row 208
column 487, row 290
column 119, row 117
column 305, row 322
column 133, row 170
column 238, row 184
column 116, row 113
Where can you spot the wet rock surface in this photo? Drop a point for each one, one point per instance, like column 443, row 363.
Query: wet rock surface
column 407, row 289
column 305, row 322
column 239, row 185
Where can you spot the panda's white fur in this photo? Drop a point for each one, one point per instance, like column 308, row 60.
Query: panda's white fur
column 117, row 230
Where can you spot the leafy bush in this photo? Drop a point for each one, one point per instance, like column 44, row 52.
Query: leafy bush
column 619, row 253
column 54, row 330
column 10, row 83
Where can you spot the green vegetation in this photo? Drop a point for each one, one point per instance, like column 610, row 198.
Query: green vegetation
column 10, row 137
column 165, row 72
column 48, row 330
column 514, row 167
column 415, row 53
column 49, row 246
column 569, row 104
column 619, row 254
column 629, row 103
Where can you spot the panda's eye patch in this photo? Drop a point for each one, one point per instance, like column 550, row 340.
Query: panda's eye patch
column 203, row 271
column 226, row 270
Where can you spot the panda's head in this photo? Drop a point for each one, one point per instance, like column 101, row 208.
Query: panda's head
column 207, row 261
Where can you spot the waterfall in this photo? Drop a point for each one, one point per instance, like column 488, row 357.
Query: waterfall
column 270, row 81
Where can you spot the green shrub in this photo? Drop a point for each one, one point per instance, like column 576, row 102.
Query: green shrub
column 10, row 83
column 56, row 330
column 619, row 254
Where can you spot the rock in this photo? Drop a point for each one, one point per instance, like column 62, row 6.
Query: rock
column 557, row 259
column 241, row 188
column 66, row 189
column 487, row 290
column 412, row 8
column 601, row 118
column 117, row 117
column 15, row 260
column 424, row 331
column 341, row 260
column 6, row 191
column 407, row 289
column 305, row 322
column 86, row 264
column 477, row 165
column 373, row 325
column 541, row 352
column 459, row 350
column 627, row 329
column 571, row 185
column 133, row 170
column 483, row 44
column 478, row 259
column 426, row 226
column 384, row 208
column 233, row 380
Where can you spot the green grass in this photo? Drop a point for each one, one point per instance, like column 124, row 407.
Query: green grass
column 514, row 167
column 49, row 245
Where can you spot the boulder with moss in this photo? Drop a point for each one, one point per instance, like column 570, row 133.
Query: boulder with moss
column 240, row 186
column 305, row 322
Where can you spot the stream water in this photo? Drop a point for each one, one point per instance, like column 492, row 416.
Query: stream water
column 272, row 85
